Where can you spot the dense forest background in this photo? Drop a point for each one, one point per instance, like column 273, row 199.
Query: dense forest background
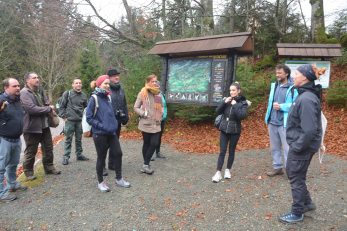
column 52, row 38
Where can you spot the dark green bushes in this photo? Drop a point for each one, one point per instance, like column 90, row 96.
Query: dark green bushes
column 337, row 94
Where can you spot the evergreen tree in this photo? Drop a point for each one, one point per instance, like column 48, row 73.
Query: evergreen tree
column 89, row 64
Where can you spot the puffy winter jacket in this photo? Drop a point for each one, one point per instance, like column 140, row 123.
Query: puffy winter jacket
column 232, row 115
column 104, row 121
column 11, row 118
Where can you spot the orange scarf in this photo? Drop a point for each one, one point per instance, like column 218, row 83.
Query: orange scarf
column 158, row 107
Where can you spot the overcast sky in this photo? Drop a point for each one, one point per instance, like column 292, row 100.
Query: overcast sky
column 112, row 10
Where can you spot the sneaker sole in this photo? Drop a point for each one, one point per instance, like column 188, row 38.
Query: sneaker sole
column 7, row 201
column 142, row 171
column 292, row 222
column 104, row 191
column 123, row 186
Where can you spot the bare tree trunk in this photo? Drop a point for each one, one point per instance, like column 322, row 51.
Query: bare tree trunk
column 303, row 17
column 130, row 18
column 317, row 19
column 163, row 16
column 232, row 16
column 208, row 22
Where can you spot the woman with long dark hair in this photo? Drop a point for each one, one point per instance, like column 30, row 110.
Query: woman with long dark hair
column 233, row 109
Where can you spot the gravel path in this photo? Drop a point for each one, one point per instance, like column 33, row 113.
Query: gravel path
column 178, row 196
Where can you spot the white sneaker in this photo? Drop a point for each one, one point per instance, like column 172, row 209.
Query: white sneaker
column 122, row 183
column 227, row 174
column 217, row 177
column 103, row 187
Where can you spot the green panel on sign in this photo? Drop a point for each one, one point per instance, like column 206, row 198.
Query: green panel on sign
column 189, row 75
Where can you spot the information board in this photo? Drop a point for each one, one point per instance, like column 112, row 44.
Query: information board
column 324, row 79
column 196, row 80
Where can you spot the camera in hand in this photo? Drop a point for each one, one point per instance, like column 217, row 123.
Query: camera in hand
column 120, row 113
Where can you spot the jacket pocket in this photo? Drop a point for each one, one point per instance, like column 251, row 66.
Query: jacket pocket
column 2, row 122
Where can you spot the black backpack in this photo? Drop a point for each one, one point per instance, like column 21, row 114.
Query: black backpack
column 60, row 100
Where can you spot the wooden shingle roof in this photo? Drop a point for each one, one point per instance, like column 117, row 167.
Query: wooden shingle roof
column 308, row 50
column 217, row 44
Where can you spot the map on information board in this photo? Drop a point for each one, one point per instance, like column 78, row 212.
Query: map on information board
column 189, row 80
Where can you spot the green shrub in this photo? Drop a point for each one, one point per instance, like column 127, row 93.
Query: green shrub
column 137, row 71
column 337, row 94
column 264, row 63
column 343, row 40
column 343, row 59
column 192, row 113
column 255, row 86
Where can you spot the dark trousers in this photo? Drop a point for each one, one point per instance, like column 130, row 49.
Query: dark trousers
column 296, row 172
column 162, row 125
column 150, row 142
column 32, row 141
column 71, row 128
column 224, row 139
column 102, row 144
column 110, row 160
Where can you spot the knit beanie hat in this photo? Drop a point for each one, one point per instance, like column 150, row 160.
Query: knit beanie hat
column 101, row 79
column 307, row 71
column 112, row 72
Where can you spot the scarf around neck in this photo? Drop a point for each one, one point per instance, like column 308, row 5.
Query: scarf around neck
column 158, row 107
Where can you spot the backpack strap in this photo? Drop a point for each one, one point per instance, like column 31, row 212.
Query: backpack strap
column 96, row 103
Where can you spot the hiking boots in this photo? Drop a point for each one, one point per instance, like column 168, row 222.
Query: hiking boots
column 275, row 172
column 147, row 169
column 227, row 174
column 31, row 177
column 9, row 197
column 82, row 158
column 52, row 172
column 103, row 187
column 122, row 183
column 291, row 218
column 309, row 207
column 18, row 187
column 217, row 177
column 65, row 161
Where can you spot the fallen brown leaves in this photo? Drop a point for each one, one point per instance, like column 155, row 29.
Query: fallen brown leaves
column 204, row 137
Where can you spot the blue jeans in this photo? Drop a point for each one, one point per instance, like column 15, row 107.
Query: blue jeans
column 278, row 144
column 9, row 159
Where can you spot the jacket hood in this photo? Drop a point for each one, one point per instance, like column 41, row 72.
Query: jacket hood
column 310, row 86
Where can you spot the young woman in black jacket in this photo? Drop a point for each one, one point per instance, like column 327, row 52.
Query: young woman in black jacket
column 234, row 109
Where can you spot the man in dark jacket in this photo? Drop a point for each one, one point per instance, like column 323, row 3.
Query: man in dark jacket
column 11, row 127
column 304, row 134
column 119, row 104
column 71, row 110
column 36, row 129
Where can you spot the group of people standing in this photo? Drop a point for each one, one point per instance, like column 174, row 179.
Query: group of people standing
column 26, row 112
column 294, row 123
column 293, row 117
column 107, row 110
